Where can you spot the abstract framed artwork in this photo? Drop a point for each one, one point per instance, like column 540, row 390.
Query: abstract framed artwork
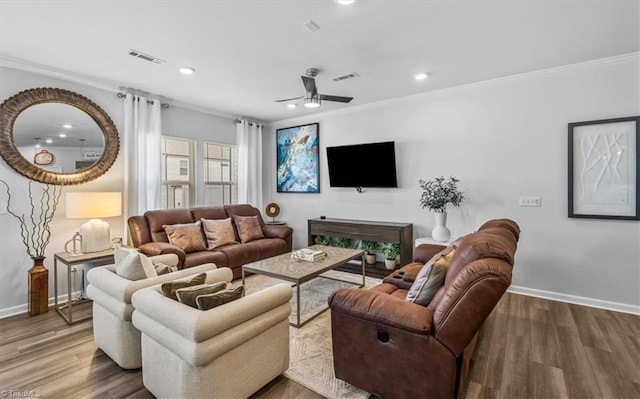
column 604, row 169
column 297, row 149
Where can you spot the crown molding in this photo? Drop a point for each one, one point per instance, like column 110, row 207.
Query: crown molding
column 106, row 85
column 466, row 87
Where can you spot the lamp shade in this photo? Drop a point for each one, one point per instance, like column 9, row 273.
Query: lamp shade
column 93, row 205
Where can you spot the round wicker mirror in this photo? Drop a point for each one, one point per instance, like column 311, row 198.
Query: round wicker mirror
column 11, row 109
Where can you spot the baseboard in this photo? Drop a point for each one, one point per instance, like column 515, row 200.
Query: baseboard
column 24, row 308
column 577, row 300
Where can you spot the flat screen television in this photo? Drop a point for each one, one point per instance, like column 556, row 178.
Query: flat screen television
column 363, row 165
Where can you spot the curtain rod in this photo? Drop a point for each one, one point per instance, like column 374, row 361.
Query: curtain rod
column 250, row 123
column 163, row 105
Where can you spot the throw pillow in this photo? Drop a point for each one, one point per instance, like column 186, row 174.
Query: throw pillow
column 210, row 301
column 188, row 295
column 169, row 289
column 249, row 228
column 429, row 280
column 187, row 236
column 161, row 268
column 132, row 264
column 218, row 232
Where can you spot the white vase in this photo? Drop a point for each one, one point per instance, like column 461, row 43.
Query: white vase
column 441, row 233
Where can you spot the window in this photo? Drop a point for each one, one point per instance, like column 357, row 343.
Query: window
column 220, row 174
column 177, row 172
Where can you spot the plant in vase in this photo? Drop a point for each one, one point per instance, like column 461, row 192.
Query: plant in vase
column 391, row 253
column 370, row 249
column 436, row 194
column 342, row 242
column 36, row 233
column 322, row 240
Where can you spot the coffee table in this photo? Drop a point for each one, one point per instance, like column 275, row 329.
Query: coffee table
column 284, row 267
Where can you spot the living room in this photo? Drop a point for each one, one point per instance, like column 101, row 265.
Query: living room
column 504, row 135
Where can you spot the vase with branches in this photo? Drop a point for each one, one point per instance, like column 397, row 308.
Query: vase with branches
column 35, row 232
column 436, row 194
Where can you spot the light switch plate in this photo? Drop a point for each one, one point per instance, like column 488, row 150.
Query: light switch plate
column 530, row 201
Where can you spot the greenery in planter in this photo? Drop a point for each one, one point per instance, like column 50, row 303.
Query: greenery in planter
column 370, row 247
column 439, row 192
column 322, row 240
column 342, row 242
column 391, row 251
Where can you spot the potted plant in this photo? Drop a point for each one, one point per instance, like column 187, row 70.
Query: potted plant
column 436, row 194
column 370, row 249
column 343, row 242
column 391, row 253
column 322, row 240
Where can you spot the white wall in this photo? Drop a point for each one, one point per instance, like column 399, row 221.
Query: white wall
column 503, row 139
column 14, row 262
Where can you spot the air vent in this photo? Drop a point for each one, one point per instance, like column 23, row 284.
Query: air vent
column 146, row 57
column 311, row 26
column 345, row 76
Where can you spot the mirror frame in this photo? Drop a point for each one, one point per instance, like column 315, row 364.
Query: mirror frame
column 11, row 108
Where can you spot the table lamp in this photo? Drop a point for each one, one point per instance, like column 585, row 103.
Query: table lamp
column 94, row 205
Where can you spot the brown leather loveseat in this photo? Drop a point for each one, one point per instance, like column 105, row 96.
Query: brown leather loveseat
column 149, row 236
column 394, row 348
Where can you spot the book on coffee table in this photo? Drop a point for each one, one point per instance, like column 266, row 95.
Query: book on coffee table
column 308, row 254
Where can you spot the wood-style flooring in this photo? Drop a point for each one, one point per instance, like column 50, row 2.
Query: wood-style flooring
column 527, row 348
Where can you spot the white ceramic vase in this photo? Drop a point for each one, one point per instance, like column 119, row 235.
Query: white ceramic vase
column 441, row 233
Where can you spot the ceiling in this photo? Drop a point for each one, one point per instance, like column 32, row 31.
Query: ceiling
column 249, row 53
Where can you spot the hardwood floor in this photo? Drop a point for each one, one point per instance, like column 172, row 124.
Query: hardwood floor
column 527, row 348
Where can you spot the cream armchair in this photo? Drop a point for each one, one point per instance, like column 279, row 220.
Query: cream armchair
column 230, row 351
column 112, row 308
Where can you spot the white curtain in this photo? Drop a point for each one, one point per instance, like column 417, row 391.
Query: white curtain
column 249, row 163
column 141, row 150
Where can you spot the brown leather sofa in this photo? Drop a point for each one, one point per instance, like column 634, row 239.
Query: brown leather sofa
column 397, row 349
column 149, row 237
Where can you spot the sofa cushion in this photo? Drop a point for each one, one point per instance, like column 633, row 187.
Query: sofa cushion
column 157, row 218
column 210, row 301
column 249, row 228
column 169, row 289
column 161, row 268
column 188, row 295
column 218, row 232
column 133, row 265
column 430, row 278
column 186, row 236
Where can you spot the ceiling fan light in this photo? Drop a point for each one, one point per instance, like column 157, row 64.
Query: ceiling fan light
column 291, row 105
column 311, row 100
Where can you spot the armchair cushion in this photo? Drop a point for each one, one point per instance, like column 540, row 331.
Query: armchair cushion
column 169, row 289
column 187, row 236
column 188, row 295
column 210, row 301
column 430, row 278
column 133, row 265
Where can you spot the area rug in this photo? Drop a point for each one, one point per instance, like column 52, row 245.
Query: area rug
column 311, row 362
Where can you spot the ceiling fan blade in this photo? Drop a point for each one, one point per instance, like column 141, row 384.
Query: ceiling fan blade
column 288, row 99
column 326, row 97
column 309, row 83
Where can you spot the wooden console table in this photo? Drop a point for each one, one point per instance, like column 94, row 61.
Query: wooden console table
column 382, row 232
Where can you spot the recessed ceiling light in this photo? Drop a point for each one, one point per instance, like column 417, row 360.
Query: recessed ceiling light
column 67, row 126
column 291, row 105
column 345, row 2
column 48, row 141
column 185, row 70
column 63, row 135
column 421, row 76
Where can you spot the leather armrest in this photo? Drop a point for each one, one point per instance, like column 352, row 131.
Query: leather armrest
column 161, row 248
column 382, row 308
column 423, row 252
column 277, row 231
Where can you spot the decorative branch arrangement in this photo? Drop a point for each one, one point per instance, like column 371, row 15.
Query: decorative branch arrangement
column 439, row 192
column 34, row 228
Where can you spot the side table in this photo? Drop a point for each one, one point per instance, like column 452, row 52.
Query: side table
column 430, row 240
column 65, row 309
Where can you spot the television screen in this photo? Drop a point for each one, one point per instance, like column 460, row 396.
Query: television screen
column 362, row 165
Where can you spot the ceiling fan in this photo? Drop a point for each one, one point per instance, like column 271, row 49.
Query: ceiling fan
column 312, row 98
